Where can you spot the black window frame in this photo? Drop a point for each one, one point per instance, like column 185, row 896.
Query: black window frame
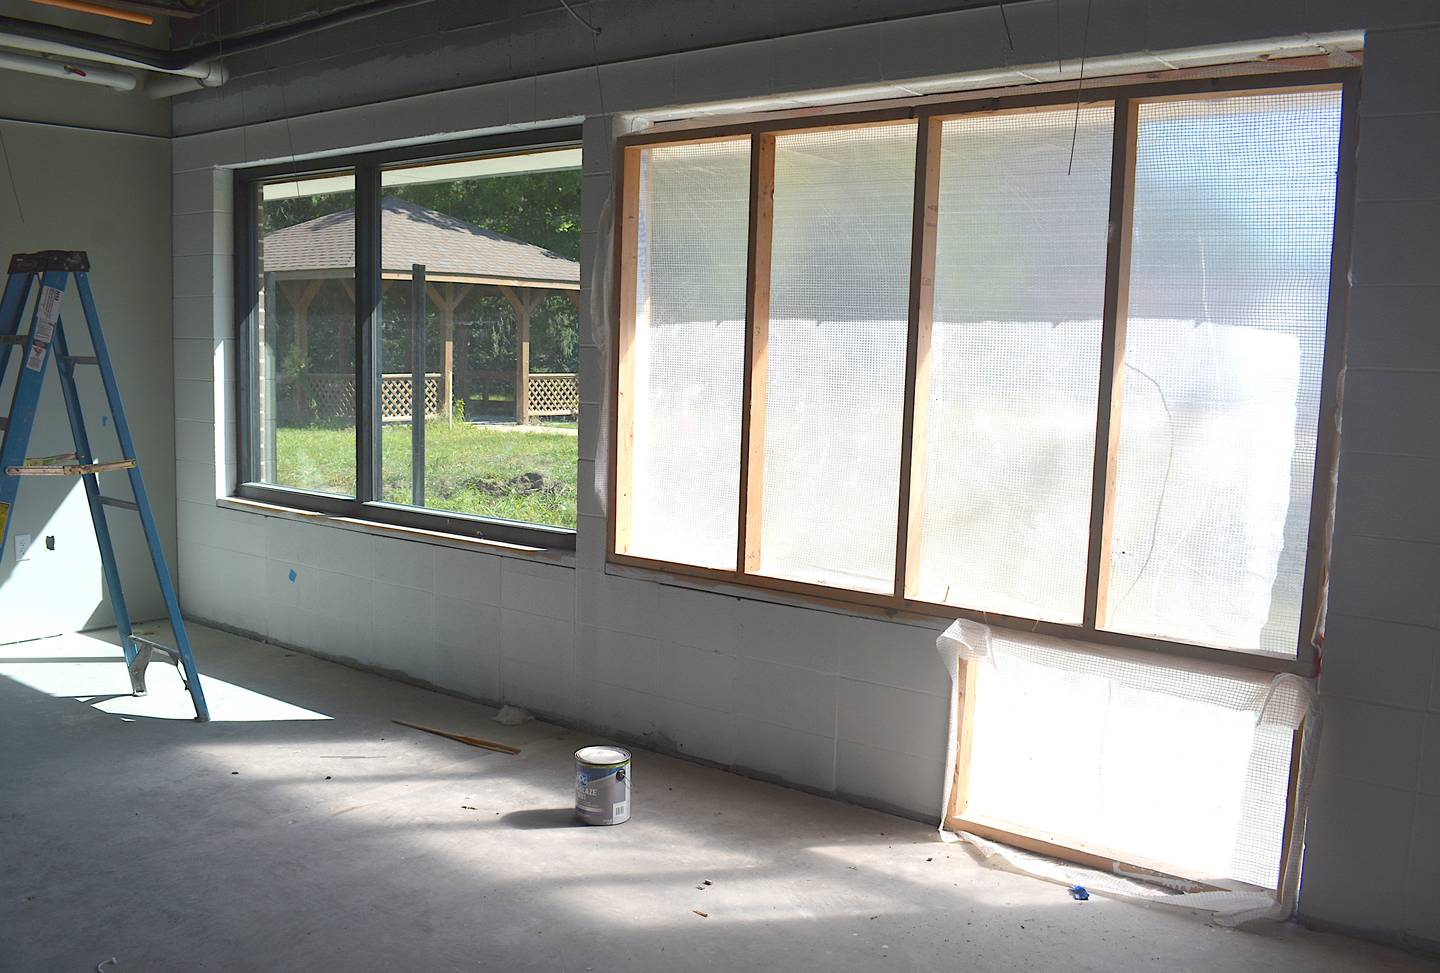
column 364, row 506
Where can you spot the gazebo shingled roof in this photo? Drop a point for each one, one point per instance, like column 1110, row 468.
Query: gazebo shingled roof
column 450, row 248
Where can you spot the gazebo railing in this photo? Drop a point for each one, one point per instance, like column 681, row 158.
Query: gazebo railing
column 554, row 394
column 550, row 394
column 335, row 395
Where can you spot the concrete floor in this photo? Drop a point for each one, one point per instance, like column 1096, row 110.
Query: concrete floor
column 303, row 831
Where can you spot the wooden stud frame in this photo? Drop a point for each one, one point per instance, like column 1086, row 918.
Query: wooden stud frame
column 928, row 115
column 757, row 349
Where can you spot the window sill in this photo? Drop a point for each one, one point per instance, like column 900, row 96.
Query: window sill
column 936, row 616
column 420, row 535
column 836, row 605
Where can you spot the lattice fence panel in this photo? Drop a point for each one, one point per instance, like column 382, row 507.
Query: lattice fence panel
column 334, row 395
column 395, row 396
column 554, row 395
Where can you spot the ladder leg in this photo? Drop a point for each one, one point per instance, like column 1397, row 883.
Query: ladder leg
column 142, row 499
column 83, row 454
column 29, row 377
column 12, row 303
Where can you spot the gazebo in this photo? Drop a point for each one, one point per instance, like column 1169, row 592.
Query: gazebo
column 460, row 259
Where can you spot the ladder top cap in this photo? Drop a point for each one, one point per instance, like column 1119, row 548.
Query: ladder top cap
column 75, row 261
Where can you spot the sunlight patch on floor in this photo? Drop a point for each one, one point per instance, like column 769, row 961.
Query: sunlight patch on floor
column 91, row 670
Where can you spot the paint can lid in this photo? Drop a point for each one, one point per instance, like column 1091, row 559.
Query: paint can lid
column 602, row 756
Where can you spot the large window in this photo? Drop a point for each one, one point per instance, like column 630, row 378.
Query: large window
column 411, row 331
column 1058, row 364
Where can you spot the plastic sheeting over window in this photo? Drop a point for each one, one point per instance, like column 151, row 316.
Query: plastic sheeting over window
column 1167, row 504
column 1180, row 766
column 1014, row 361
column 1229, row 289
column 689, row 351
column 836, row 355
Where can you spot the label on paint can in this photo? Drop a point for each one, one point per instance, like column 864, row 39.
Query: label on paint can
column 602, row 785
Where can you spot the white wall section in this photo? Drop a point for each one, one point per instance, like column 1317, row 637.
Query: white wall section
column 818, row 698
column 109, row 194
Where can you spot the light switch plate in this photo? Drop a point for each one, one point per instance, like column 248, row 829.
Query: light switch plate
column 22, row 547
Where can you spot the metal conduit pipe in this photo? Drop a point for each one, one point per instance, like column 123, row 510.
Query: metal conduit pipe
column 85, row 73
column 211, row 73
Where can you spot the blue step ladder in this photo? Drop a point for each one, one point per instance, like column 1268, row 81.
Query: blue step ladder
column 54, row 268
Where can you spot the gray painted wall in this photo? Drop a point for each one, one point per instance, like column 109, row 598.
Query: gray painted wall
column 108, row 193
column 818, row 698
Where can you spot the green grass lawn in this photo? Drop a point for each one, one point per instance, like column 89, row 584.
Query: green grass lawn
column 489, row 471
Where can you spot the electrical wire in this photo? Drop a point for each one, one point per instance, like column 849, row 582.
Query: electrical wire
column 1080, row 85
column 583, row 22
column 10, row 173
column 1164, row 485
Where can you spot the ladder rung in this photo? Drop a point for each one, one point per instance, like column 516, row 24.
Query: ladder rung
column 12, row 339
column 157, row 646
column 122, row 504
column 70, row 469
column 81, row 360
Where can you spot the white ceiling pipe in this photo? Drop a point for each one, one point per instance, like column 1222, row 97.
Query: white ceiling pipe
column 211, row 74
column 70, row 71
column 172, row 85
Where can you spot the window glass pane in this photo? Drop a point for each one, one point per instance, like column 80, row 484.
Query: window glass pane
column 1234, row 211
column 305, row 335
column 689, row 352
column 836, row 355
column 1014, row 361
column 494, row 337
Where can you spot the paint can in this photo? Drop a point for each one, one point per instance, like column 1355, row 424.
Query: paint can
column 602, row 785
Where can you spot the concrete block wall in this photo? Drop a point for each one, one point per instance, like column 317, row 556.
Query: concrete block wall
column 65, row 181
column 818, row 698
column 1373, row 855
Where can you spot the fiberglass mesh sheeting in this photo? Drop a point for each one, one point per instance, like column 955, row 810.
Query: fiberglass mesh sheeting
column 835, row 379
column 1177, row 763
column 1229, row 284
column 689, row 352
column 1015, row 358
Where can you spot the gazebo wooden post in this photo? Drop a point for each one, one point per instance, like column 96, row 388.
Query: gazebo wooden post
column 300, row 300
column 522, row 364
column 447, row 352
column 447, row 302
column 523, row 307
column 462, row 363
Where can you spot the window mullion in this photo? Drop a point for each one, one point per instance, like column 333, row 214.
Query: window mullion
column 1112, row 358
column 247, row 244
column 367, row 332
column 917, row 355
column 757, row 336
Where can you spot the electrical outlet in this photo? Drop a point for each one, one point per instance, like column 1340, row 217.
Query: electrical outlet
column 22, row 547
